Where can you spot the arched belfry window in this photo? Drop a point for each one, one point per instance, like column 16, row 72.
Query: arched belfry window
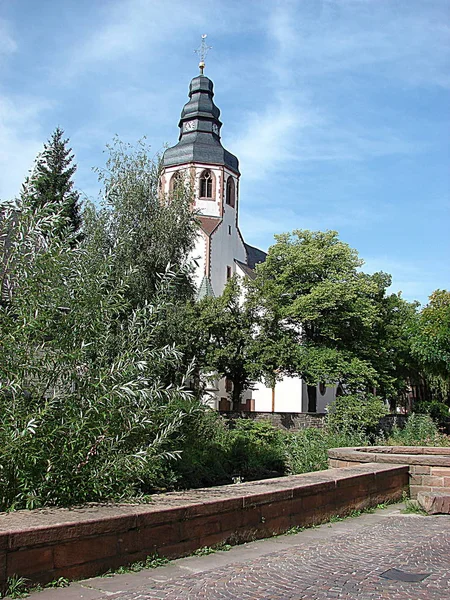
column 176, row 181
column 230, row 197
column 206, row 184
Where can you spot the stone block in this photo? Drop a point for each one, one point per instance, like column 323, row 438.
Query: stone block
column 279, row 509
column 159, row 517
column 434, row 502
column 433, row 481
column 440, row 471
column 415, row 489
column 416, row 479
column 313, row 489
column 279, row 524
column 420, row 470
column 200, row 527
column 84, row 551
column 213, row 508
column 29, row 561
column 147, row 538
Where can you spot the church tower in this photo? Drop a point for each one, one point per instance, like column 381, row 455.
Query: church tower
column 200, row 159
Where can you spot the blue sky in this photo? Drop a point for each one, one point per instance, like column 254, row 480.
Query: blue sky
column 337, row 109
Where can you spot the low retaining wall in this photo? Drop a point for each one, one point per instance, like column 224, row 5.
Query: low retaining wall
column 429, row 468
column 43, row 545
column 289, row 421
column 297, row 421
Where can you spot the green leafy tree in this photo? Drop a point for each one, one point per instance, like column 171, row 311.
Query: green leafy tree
column 230, row 325
column 323, row 318
column 431, row 343
column 388, row 344
column 148, row 232
column 356, row 413
column 93, row 401
column 51, row 183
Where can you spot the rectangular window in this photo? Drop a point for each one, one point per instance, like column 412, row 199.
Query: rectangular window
column 229, row 229
column 228, row 273
column 228, row 385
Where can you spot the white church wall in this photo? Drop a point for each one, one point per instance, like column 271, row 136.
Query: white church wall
column 198, row 254
column 226, row 247
column 262, row 395
column 288, row 396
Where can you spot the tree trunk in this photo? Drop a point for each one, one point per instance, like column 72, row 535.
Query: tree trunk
column 236, row 396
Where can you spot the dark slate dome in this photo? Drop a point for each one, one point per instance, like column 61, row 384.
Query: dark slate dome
column 199, row 125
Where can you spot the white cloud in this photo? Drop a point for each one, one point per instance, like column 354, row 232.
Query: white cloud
column 133, row 32
column 416, row 280
column 20, row 140
column 411, row 44
column 293, row 126
column 7, row 44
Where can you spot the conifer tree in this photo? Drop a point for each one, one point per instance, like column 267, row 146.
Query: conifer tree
column 51, row 181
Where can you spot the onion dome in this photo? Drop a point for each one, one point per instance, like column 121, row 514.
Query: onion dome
column 199, row 139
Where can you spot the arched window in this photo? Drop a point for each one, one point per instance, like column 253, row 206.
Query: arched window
column 230, row 192
column 206, row 185
column 176, row 181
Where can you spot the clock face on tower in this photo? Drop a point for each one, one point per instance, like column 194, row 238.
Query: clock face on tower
column 188, row 125
column 215, row 128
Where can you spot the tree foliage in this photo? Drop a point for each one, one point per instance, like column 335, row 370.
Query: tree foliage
column 326, row 320
column 229, row 323
column 51, row 184
column 145, row 230
column 93, row 404
column 431, row 336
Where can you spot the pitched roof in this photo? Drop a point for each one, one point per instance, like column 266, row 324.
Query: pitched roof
column 209, row 224
column 254, row 255
column 246, row 269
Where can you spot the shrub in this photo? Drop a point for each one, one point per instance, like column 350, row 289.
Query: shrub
column 92, row 407
column 256, row 449
column 438, row 411
column 204, row 448
column 420, row 430
column 307, row 450
column 356, row 412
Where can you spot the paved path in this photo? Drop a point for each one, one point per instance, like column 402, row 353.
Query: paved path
column 342, row 560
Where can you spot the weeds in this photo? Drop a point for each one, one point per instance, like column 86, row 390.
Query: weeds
column 16, row 587
column 61, row 582
column 152, row 561
column 19, row 587
column 206, row 550
column 412, row 507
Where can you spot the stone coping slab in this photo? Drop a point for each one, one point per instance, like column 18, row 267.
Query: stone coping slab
column 169, row 505
column 405, row 455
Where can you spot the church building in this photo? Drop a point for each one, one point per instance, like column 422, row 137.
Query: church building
column 200, row 160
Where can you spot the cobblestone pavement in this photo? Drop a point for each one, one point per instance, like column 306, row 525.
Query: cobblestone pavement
column 344, row 560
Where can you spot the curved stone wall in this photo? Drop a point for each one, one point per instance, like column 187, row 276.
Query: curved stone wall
column 429, row 467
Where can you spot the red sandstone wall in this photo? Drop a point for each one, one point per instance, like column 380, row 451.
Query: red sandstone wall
column 79, row 549
column 431, row 477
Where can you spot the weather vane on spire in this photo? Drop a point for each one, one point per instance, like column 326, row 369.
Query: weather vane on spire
column 202, row 51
